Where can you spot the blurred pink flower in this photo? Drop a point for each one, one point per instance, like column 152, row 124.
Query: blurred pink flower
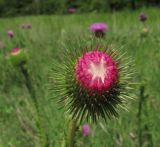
column 99, row 29
column 15, row 51
column 10, row 33
column 71, row 10
column 142, row 17
column 85, row 130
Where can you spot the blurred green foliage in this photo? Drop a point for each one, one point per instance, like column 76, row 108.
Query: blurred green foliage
column 23, row 7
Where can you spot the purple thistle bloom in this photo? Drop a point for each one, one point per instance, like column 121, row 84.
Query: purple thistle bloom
column 10, row 33
column 99, row 29
column 142, row 17
column 85, row 130
column 71, row 10
column 27, row 26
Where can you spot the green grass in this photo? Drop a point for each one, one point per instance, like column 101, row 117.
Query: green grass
column 47, row 39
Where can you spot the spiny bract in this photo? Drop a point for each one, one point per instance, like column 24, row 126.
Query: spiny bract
column 92, row 84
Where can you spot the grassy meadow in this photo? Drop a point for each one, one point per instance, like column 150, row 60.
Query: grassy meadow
column 46, row 41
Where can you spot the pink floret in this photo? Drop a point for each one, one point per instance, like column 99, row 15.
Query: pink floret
column 96, row 71
column 85, row 130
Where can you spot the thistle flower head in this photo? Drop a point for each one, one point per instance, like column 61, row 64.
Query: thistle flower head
column 23, row 26
column 10, row 33
column 142, row 17
column 96, row 71
column 17, row 56
column 85, row 130
column 15, row 51
column 92, row 84
column 99, row 29
column 27, row 26
column 71, row 10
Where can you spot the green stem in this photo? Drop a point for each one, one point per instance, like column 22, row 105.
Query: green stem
column 141, row 101
column 28, row 83
column 71, row 133
column 144, row 133
column 32, row 92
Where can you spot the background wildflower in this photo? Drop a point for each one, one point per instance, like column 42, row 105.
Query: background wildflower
column 85, row 130
column 142, row 17
column 99, row 29
column 10, row 33
column 71, row 10
column 27, row 26
column 18, row 56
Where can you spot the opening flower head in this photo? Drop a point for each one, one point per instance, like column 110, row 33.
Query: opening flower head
column 17, row 56
column 15, row 51
column 92, row 84
column 10, row 33
column 142, row 17
column 99, row 29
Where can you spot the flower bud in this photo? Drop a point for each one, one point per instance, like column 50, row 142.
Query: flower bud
column 17, row 56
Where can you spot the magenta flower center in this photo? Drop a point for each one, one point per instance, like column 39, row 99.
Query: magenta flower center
column 96, row 71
